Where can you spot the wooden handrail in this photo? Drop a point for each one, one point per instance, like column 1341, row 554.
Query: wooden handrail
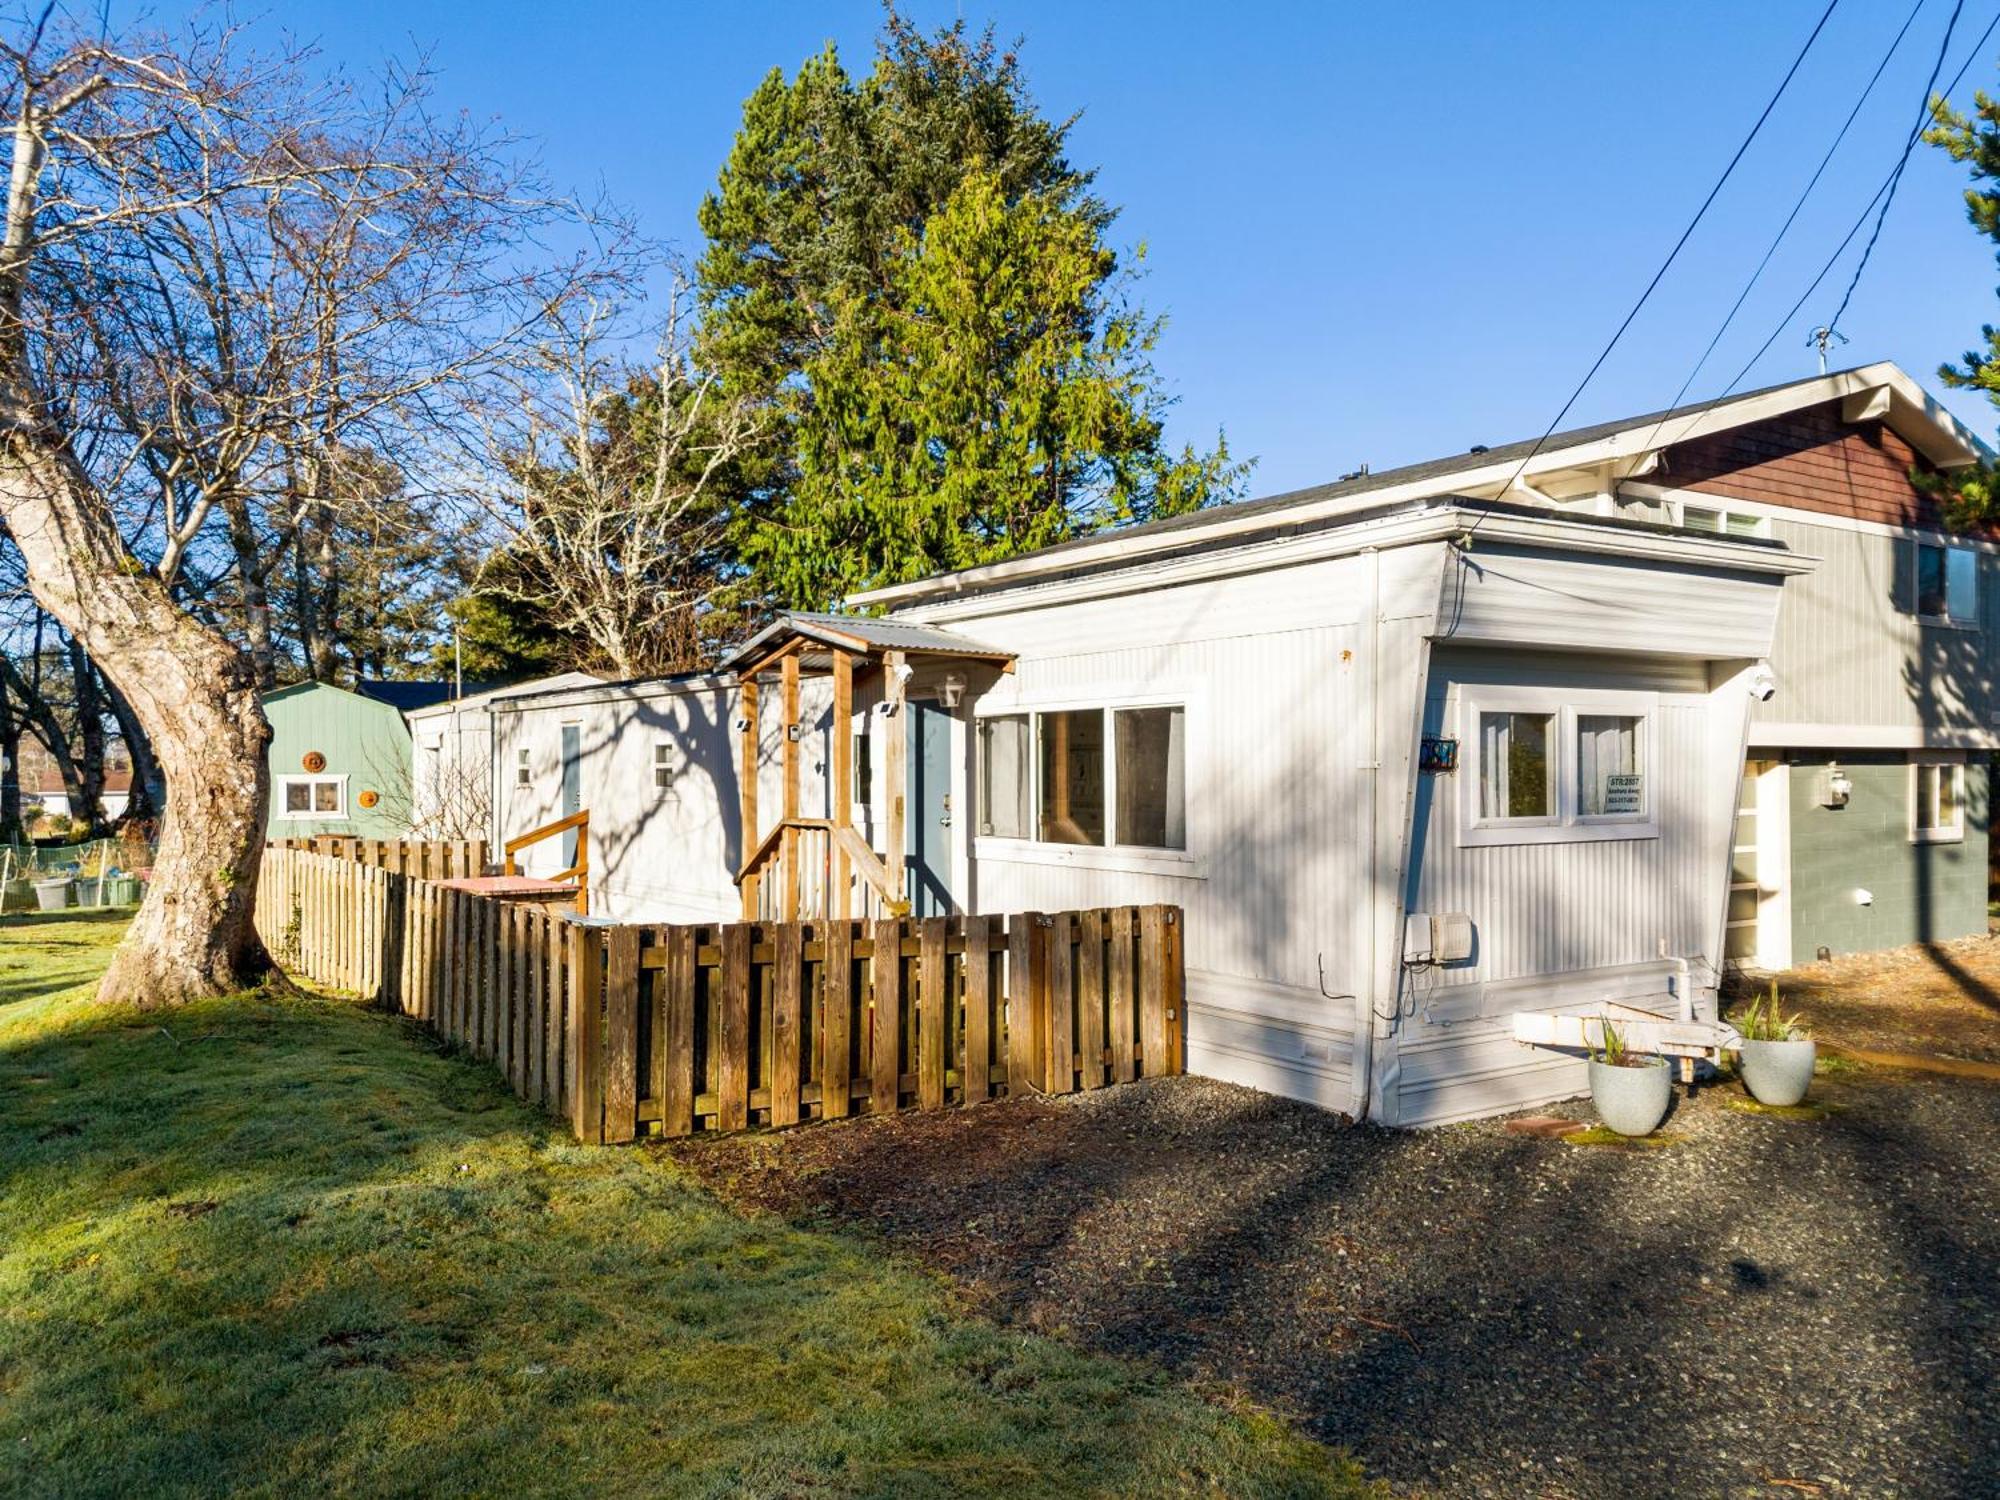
column 771, row 840
column 843, row 837
column 578, row 872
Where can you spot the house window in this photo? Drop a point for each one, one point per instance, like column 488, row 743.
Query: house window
column 1546, row 766
column 1151, row 776
column 1721, row 520
column 322, row 797
column 1947, row 584
column 522, row 777
column 1937, row 802
column 1096, row 777
column 1072, row 776
column 1005, row 777
column 1516, row 781
column 663, row 765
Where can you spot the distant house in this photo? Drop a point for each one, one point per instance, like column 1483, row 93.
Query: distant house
column 42, row 790
column 340, row 760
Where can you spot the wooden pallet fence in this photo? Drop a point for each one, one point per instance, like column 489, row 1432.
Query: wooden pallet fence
column 740, row 1025
column 426, row 859
column 628, row 1031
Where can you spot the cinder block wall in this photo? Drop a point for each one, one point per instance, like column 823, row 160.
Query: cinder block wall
column 1922, row 892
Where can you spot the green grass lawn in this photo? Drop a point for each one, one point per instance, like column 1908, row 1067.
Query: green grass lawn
column 279, row 1243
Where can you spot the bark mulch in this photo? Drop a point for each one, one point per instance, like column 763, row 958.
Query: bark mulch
column 1762, row 1305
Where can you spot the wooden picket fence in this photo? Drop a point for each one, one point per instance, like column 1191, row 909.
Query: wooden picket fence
column 427, row 859
column 627, row 1031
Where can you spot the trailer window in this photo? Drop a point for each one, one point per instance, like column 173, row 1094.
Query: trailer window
column 1072, row 776
column 1947, row 583
column 1004, row 776
column 1515, row 779
column 1610, row 778
column 1151, row 749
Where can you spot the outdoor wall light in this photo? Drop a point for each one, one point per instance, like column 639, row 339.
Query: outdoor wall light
column 951, row 688
column 1835, row 787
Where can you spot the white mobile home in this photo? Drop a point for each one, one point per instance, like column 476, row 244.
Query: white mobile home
column 1315, row 727
column 453, row 770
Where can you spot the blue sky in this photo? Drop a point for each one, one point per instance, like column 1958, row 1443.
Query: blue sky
column 1379, row 233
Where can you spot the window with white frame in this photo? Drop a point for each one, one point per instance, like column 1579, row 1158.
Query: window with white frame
column 1722, row 520
column 523, row 776
column 1947, row 583
column 1091, row 777
column 1545, row 766
column 315, row 797
column 663, row 765
column 1937, row 802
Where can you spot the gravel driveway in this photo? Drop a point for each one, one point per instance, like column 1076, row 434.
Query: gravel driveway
column 1475, row 1312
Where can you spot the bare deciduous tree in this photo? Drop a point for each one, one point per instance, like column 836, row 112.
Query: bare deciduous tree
column 610, row 484
column 221, row 277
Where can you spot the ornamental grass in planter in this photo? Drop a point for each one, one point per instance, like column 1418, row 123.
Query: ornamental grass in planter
column 1777, row 1055
column 1630, row 1089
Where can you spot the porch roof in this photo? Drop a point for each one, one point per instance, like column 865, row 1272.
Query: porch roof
column 860, row 635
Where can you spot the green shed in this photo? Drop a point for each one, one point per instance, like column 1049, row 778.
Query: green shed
column 340, row 760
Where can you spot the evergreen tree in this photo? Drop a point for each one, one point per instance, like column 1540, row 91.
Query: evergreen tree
column 910, row 277
column 1971, row 495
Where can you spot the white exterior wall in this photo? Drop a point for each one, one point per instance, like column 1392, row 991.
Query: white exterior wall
column 1300, row 858
column 656, row 855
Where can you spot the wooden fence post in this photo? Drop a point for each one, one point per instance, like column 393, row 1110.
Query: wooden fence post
column 885, row 1036
column 933, row 1001
column 682, row 1080
column 1026, row 998
column 732, row 1088
column 1090, row 998
column 1124, row 1029
column 975, row 1080
column 837, row 1015
column 1153, row 989
column 1060, row 1077
column 621, row 1034
column 586, row 1031
column 787, row 980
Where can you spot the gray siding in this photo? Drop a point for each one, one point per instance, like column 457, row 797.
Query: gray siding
column 1850, row 651
column 1922, row 892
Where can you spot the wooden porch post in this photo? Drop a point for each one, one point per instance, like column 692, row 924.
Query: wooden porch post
column 751, row 831
column 895, row 762
column 842, row 792
column 790, row 753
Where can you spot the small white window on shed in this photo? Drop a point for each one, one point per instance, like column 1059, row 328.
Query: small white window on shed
column 1947, row 583
column 522, row 775
column 312, row 797
column 663, row 765
column 1937, row 802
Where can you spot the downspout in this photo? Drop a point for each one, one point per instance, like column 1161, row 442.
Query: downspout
column 1364, row 1002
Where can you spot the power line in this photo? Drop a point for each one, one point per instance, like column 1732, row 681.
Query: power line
column 1792, row 217
column 1672, row 254
column 1923, row 114
column 1848, row 238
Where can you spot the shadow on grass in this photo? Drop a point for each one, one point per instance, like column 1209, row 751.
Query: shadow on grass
column 274, row 1244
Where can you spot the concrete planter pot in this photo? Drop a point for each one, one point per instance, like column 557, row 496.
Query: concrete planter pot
column 1778, row 1073
column 1631, row 1101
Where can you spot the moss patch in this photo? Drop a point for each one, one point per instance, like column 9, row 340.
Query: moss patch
column 1811, row 1109
column 1603, row 1135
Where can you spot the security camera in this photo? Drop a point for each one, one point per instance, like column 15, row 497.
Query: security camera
column 1763, row 682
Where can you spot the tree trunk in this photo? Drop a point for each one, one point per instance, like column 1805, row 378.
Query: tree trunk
column 10, row 770
column 193, row 693
column 252, row 572
column 39, row 714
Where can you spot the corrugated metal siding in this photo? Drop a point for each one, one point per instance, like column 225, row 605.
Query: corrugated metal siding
column 1585, row 918
column 1850, row 651
column 1500, row 596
